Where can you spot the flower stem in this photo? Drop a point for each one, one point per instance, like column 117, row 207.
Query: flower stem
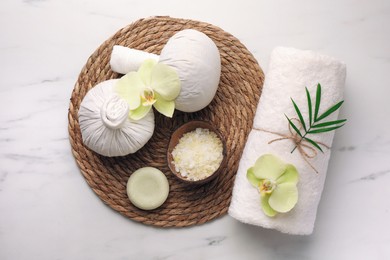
column 303, row 137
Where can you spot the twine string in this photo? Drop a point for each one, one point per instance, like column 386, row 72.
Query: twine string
column 305, row 149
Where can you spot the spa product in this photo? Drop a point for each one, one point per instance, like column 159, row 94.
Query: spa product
column 193, row 55
column 147, row 188
column 290, row 71
column 196, row 58
column 105, row 125
column 124, row 60
column 198, row 154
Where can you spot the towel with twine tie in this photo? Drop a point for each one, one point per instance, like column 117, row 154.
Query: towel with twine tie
column 289, row 72
column 304, row 147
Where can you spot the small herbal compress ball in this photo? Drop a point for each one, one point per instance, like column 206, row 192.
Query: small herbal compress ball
column 105, row 125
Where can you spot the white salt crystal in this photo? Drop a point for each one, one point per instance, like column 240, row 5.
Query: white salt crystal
column 198, row 154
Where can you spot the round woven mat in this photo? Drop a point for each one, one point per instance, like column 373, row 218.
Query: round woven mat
column 232, row 111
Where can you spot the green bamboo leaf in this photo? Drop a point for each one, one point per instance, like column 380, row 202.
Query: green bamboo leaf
column 293, row 126
column 318, row 101
column 309, row 105
column 313, row 143
column 330, row 111
column 329, row 123
column 299, row 115
column 323, row 130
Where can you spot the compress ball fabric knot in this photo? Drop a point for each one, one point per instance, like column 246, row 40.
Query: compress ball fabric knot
column 114, row 112
column 105, row 125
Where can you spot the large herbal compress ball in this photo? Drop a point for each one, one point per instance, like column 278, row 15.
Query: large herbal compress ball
column 196, row 59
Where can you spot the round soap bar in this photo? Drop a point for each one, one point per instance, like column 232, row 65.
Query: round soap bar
column 147, row 188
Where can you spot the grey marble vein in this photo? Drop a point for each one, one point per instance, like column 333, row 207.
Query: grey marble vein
column 372, row 176
column 38, row 83
column 347, row 148
column 210, row 241
column 18, row 119
column 7, row 140
column 214, row 241
column 24, row 157
column 50, row 80
column 379, row 144
column 3, row 176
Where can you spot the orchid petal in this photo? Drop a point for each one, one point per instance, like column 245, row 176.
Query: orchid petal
column 128, row 87
column 165, row 81
column 163, row 106
column 284, row 197
column 266, row 207
column 252, row 178
column 140, row 112
column 289, row 176
column 145, row 71
column 269, row 167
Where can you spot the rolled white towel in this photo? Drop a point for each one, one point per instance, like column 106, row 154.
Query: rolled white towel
column 124, row 60
column 290, row 71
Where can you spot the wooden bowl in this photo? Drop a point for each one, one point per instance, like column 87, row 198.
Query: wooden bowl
column 175, row 137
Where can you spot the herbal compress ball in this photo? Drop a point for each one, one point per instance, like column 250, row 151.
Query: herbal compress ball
column 105, row 125
column 196, row 58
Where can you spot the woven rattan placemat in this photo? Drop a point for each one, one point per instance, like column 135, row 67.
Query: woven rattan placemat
column 232, row 111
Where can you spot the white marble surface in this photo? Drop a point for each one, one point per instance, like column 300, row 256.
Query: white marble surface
column 47, row 210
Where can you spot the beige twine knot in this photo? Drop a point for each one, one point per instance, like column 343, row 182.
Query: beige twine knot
column 305, row 149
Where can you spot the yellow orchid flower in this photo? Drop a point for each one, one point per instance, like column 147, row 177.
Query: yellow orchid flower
column 154, row 84
column 276, row 182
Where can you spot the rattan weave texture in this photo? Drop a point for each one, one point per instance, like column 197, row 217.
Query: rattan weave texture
column 232, row 111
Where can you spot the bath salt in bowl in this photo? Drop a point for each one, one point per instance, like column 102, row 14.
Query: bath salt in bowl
column 196, row 152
